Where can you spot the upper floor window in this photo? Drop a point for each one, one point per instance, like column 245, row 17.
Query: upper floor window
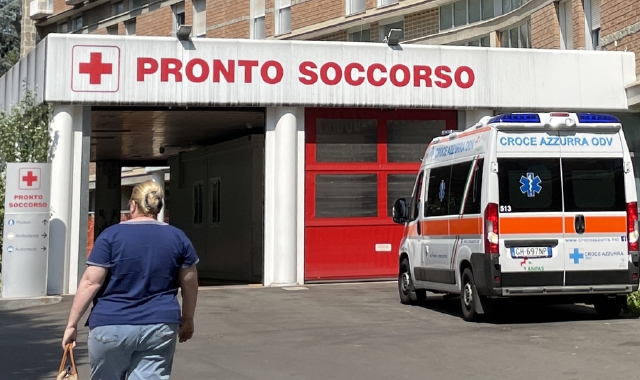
column 130, row 27
column 117, row 8
column 566, row 25
column 483, row 42
column 592, row 14
column 465, row 12
column 283, row 17
column 355, row 6
column 382, row 3
column 517, row 37
column 178, row 15
column 77, row 23
column 259, row 28
column 63, row 27
column 113, row 30
column 199, row 17
column 360, row 33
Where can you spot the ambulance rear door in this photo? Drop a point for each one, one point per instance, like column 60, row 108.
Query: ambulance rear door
column 531, row 219
column 595, row 220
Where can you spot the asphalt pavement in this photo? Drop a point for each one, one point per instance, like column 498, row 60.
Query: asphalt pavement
column 352, row 331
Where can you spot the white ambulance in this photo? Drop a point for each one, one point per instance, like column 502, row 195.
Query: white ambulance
column 533, row 207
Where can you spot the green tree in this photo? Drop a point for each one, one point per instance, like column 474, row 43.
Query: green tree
column 10, row 28
column 24, row 137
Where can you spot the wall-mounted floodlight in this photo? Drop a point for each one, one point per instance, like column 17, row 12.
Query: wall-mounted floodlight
column 393, row 38
column 183, row 32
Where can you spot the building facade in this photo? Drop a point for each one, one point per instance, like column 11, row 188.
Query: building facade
column 311, row 101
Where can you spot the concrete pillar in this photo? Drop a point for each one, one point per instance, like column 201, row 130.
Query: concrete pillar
column 158, row 176
column 282, row 196
column 79, row 200
column 70, row 126
column 107, row 195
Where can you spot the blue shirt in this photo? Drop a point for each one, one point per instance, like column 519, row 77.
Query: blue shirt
column 143, row 259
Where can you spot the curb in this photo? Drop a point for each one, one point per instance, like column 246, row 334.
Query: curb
column 21, row 303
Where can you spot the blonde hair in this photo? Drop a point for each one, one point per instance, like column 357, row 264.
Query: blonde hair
column 148, row 197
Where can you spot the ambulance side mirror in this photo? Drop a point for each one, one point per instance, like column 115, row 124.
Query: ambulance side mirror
column 400, row 211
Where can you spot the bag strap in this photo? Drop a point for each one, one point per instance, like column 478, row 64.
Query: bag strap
column 68, row 351
column 64, row 358
column 74, row 369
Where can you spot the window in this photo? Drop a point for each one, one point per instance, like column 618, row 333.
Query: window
column 484, row 42
column 355, row 6
column 113, row 29
column 566, row 25
column 77, row 23
column 472, row 203
column 400, row 186
column 382, row 3
column 346, row 140
column 283, row 24
column 517, row 37
column 582, row 176
column 178, row 15
column 63, row 27
column 130, row 27
column 117, row 8
column 134, row 4
column 438, row 192
column 463, row 12
column 592, row 13
column 457, row 186
column 197, row 202
column 258, row 20
column 530, row 185
column 346, row 195
column 360, row 34
column 386, row 28
column 214, row 200
column 199, row 17
column 407, row 140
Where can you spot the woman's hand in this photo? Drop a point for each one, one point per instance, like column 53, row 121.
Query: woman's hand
column 70, row 336
column 186, row 329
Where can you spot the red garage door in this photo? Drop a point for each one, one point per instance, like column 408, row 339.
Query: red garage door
column 358, row 161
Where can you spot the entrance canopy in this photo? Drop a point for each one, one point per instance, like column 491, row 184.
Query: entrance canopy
column 130, row 70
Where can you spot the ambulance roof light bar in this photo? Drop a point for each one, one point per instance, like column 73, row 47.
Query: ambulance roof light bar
column 516, row 118
column 597, row 118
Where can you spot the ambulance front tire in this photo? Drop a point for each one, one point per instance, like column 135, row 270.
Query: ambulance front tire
column 408, row 294
column 468, row 296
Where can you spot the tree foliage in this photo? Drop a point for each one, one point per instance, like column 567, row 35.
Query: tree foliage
column 24, row 137
column 10, row 28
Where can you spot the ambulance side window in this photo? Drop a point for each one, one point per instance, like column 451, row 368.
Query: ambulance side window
column 472, row 203
column 457, row 186
column 416, row 199
column 438, row 192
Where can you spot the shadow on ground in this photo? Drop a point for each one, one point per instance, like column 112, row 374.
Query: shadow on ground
column 30, row 342
column 519, row 314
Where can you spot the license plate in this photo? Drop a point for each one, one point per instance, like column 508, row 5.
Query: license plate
column 520, row 252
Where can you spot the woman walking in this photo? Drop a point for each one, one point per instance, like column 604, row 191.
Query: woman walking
column 132, row 276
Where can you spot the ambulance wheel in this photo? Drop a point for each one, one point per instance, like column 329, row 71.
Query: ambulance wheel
column 408, row 294
column 467, row 298
column 608, row 308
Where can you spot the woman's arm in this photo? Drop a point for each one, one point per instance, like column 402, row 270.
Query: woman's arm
column 188, row 279
column 91, row 282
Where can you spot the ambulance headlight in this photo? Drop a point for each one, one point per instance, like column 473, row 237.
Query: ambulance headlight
column 569, row 122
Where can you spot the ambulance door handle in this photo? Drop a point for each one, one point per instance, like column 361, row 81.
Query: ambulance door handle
column 579, row 223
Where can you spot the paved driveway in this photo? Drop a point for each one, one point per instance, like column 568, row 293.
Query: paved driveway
column 353, row 331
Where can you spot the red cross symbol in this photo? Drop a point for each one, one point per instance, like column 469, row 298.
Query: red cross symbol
column 30, row 178
column 95, row 68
